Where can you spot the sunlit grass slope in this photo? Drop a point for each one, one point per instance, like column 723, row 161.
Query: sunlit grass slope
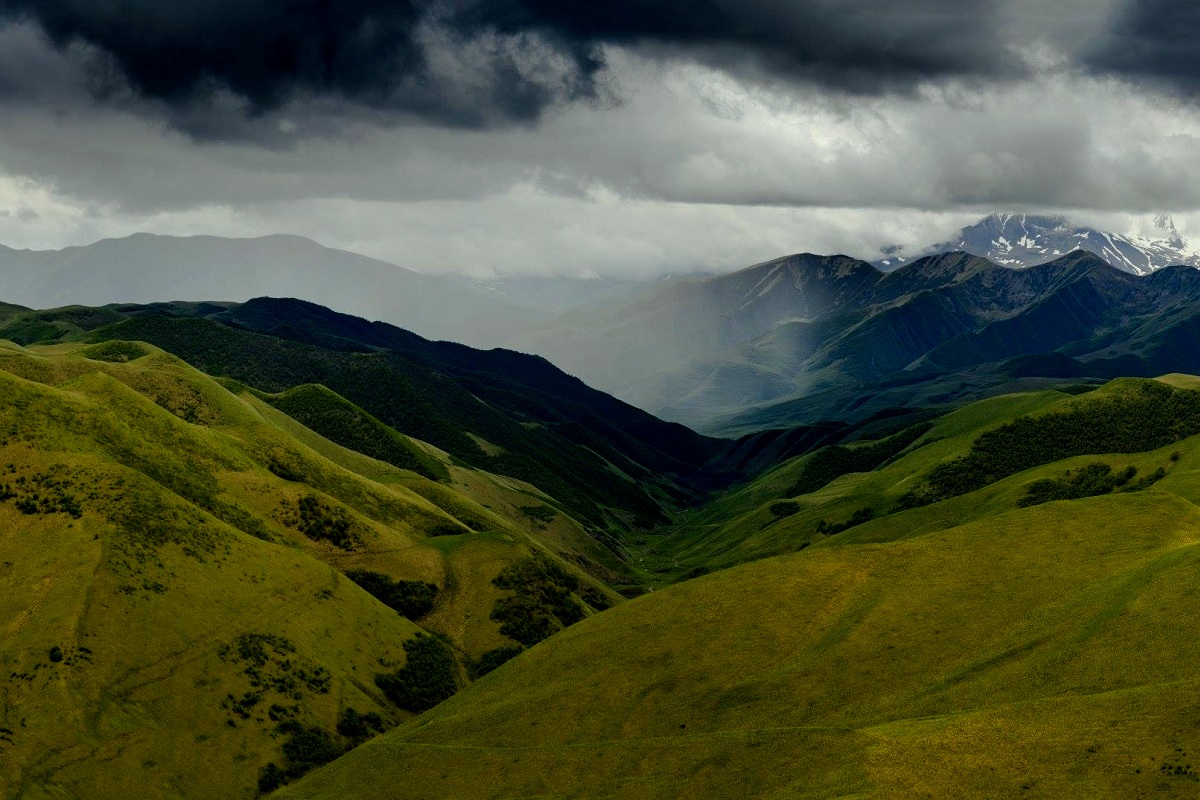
column 1053, row 648
column 174, row 609
column 974, row 647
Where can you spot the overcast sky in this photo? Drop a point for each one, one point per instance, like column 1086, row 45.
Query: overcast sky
column 615, row 138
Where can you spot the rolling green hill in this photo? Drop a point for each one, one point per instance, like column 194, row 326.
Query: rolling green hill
column 609, row 464
column 997, row 642
column 196, row 586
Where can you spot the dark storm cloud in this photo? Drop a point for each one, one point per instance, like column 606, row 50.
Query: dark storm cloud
column 861, row 45
column 473, row 63
column 266, row 53
column 1152, row 41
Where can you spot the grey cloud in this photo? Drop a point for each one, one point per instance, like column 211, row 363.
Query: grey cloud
column 684, row 134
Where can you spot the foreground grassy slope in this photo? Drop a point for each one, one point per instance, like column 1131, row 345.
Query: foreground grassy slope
column 978, row 646
column 1043, row 652
column 173, row 594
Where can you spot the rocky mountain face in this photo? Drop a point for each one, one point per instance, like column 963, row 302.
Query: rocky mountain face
column 1025, row 240
column 810, row 338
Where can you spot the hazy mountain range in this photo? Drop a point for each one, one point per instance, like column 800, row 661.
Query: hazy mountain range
column 146, row 268
column 789, row 341
column 265, row 546
column 806, row 338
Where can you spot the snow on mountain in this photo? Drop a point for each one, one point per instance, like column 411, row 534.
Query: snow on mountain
column 1024, row 240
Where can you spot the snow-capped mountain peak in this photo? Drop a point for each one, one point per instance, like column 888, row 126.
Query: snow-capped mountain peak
column 1025, row 240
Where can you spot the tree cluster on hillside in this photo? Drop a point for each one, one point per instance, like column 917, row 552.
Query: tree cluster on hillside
column 541, row 603
column 830, row 463
column 1137, row 417
column 429, row 675
column 412, row 599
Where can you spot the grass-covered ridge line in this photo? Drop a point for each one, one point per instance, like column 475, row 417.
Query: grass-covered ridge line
column 830, row 463
column 556, row 454
column 1130, row 416
column 340, row 421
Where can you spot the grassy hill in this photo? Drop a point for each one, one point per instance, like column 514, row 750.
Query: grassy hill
column 361, row 564
column 196, row 586
column 609, row 464
column 794, row 505
column 985, row 644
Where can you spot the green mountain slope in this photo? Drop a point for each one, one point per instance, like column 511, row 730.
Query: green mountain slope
column 805, row 501
column 181, row 592
column 609, row 464
column 807, row 339
column 989, row 644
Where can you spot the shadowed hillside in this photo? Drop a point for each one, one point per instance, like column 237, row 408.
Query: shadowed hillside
column 611, row 465
column 807, row 339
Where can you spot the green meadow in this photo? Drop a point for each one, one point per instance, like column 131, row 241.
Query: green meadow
column 976, row 646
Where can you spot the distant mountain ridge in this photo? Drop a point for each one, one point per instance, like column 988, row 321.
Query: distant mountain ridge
column 146, row 268
column 1026, row 240
column 808, row 338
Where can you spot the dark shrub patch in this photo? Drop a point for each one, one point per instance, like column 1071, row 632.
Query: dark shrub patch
column 445, row 529
column 428, row 677
column 357, row 727
column 491, row 660
column 321, row 521
column 784, row 508
column 1147, row 481
column 305, row 750
column 542, row 603
column 860, row 517
column 594, row 597
column 115, row 351
column 540, row 516
column 285, row 471
column 1089, row 481
column 309, row 748
column 274, row 670
column 830, row 463
column 271, row 778
column 413, row 599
